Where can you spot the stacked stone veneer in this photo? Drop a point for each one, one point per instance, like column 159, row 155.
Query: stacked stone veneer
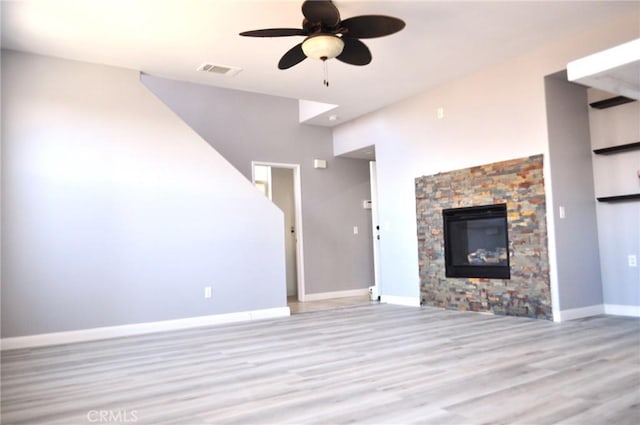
column 518, row 183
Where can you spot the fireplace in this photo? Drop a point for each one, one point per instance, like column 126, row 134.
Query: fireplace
column 518, row 183
column 476, row 242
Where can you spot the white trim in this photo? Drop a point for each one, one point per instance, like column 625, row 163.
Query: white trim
column 407, row 301
column 297, row 189
column 57, row 338
column 579, row 313
column 336, row 294
column 594, row 310
column 597, row 70
column 269, row 313
column 375, row 227
column 297, row 195
column 622, row 310
column 552, row 252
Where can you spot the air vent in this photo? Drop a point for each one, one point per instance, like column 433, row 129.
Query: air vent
column 219, row 69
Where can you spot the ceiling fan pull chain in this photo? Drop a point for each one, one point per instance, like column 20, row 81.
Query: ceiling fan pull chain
column 325, row 73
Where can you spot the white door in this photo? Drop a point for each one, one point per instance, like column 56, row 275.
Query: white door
column 375, row 228
column 283, row 196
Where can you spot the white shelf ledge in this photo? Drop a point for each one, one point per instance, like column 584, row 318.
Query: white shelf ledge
column 615, row 70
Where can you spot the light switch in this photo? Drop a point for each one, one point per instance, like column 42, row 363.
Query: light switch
column 355, row 230
column 562, row 212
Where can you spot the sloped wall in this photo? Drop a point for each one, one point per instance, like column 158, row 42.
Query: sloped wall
column 115, row 212
column 247, row 127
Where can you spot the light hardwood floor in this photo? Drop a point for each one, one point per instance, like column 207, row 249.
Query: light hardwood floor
column 330, row 304
column 373, row 364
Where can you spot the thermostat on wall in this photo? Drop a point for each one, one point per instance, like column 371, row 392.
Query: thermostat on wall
column 366, row 204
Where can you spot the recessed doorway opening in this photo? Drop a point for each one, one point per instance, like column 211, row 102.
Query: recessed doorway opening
column 281, row 184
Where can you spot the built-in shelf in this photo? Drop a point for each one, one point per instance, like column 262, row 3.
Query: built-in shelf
column 620, row 148
column 610, row 102
column 620, row 198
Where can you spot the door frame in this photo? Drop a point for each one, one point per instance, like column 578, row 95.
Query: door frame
column 375, row 227
column 297, row 195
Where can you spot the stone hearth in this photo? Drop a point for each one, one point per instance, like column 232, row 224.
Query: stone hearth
column 518, row 183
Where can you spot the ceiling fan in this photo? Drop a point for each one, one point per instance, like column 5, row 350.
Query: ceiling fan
column 328, row 37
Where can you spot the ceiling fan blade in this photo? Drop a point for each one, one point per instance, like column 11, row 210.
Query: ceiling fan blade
column 355, row 52
column 294, row 56
column 274, row 32
column 371, row 26
column 321, row 11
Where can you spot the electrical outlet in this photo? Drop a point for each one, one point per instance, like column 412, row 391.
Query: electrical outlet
column 207, row 291
column 633, row 261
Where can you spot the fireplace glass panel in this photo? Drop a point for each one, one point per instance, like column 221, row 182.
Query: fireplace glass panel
column 476, row 242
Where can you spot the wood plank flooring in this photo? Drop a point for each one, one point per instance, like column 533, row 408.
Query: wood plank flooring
column 331, row 304
column 369, row 364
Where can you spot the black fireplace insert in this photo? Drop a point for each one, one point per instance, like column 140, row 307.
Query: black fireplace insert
column 476, row 242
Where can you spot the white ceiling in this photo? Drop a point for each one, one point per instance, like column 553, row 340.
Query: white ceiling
column 171, row 38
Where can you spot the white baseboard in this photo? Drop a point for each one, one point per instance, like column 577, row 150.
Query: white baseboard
column 622, row 310
column 336, row 294
column 93, row 334
column 579, row 313
column 406, row 301
column 594, row 310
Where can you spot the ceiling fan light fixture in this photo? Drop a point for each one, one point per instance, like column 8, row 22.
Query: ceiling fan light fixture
column 323, row 46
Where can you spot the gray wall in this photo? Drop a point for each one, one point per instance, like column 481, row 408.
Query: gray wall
column 494, row 114
column 115, row 212
column 246, row 126
column 576, row 237
column 618, row 223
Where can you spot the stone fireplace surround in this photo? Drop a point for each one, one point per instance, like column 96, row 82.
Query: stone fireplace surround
column 519, row 183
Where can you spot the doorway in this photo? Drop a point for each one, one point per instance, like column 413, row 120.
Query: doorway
column 375, row 229
column 281, row 184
